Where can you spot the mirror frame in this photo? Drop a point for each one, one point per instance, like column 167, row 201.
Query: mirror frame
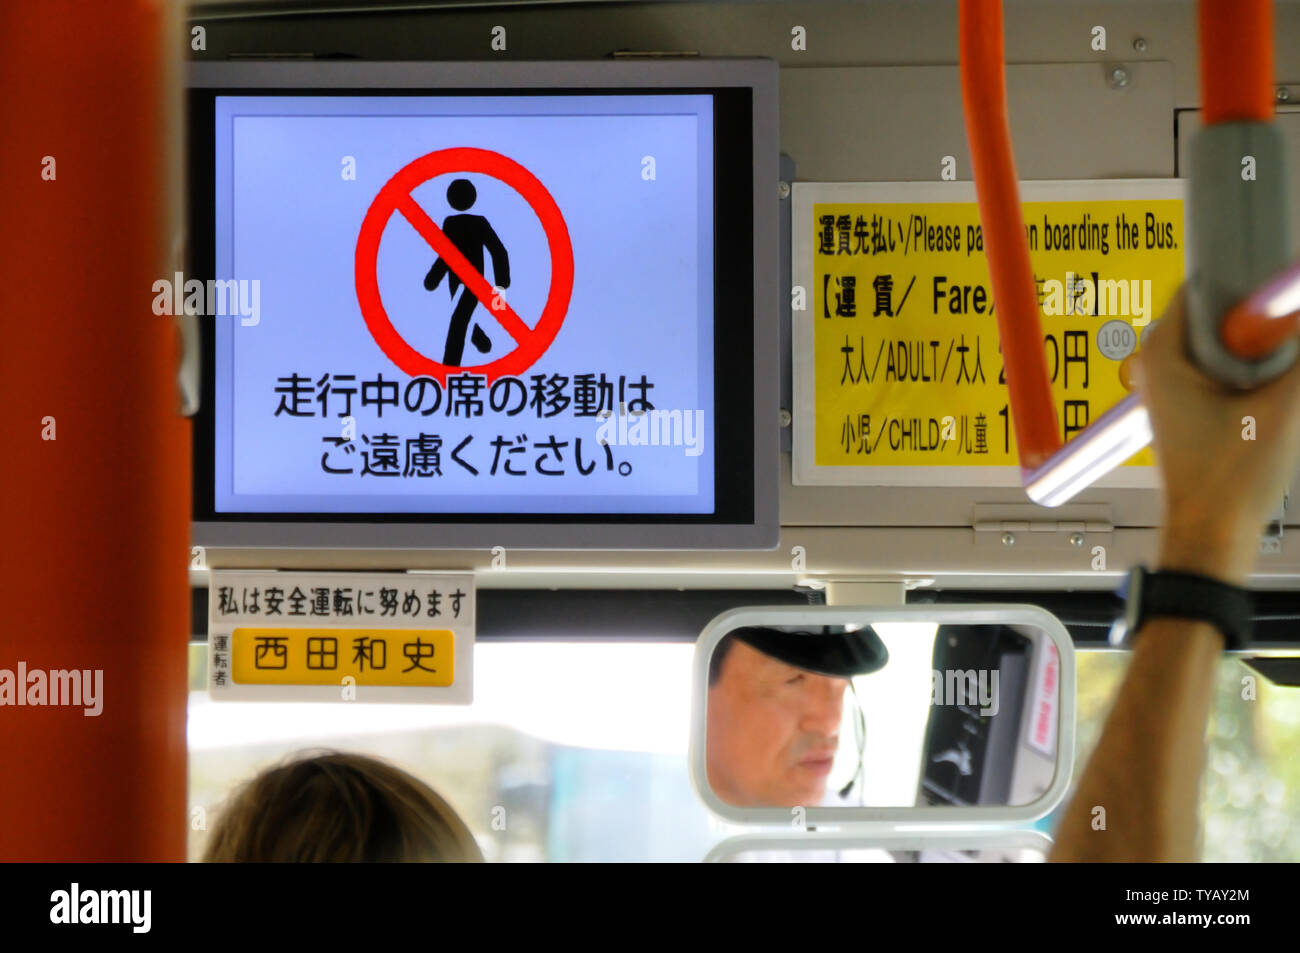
column 888, row 840
column 878, row 819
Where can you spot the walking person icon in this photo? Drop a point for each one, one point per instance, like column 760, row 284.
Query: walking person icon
column 470, row 234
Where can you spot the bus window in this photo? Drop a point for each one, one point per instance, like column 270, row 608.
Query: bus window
column 570, row 752
column 555, row 762
column 1252, row 784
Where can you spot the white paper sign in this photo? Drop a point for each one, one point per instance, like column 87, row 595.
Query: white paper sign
column 342, row 637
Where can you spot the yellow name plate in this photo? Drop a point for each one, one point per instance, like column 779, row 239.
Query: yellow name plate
column 325, row 656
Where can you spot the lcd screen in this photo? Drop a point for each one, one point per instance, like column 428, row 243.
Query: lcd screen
column 465, row 304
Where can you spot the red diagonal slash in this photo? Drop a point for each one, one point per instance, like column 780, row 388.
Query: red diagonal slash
column 510, row 322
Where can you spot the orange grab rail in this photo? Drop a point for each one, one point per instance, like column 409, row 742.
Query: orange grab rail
column 1236, row 86
column 983, row 88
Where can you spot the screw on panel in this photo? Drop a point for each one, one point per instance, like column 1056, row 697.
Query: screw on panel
column 785, row 417
column 783, row 189
column 1076, row 539
column 1283, row 94
column 1008, row 539
column 1140, row 44
column 1118, row 77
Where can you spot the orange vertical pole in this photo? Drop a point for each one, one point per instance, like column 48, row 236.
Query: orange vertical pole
column 96, row 469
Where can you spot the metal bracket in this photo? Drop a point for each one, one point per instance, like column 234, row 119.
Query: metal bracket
column 188, row 371
column 1006, row 525
column 187, row 374
column 856, row 592
column 787, row 355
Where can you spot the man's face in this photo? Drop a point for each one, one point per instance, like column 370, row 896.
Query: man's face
column 772, row 730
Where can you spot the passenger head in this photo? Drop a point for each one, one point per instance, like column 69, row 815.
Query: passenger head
column 338, row 807
column 772, row 728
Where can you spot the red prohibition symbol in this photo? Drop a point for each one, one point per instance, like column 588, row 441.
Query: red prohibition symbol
column 395, row 196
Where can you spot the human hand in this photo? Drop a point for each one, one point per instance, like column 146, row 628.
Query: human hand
column 1222, row 476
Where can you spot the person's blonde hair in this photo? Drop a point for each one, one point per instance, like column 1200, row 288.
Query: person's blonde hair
column 338, row 807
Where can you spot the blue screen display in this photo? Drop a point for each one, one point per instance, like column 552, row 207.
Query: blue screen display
column 464, row 304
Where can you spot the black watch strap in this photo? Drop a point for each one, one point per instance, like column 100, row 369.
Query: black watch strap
column 1186, row 595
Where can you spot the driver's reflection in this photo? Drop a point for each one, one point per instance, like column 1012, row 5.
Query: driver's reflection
column 776, row 701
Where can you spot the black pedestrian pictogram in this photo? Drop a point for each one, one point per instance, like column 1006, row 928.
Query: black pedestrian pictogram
column 470, row 234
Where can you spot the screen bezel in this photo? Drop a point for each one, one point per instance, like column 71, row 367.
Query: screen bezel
column 745, row 371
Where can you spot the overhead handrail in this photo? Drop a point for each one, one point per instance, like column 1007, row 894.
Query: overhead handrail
column 1237, row 334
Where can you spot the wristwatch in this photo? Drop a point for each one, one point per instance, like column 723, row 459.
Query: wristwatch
column 1183, row 595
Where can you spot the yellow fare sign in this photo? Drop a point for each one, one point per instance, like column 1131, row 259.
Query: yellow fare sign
column 899, row 325
column 325, row 656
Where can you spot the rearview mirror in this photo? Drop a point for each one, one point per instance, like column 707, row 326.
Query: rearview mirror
column 959, row 716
